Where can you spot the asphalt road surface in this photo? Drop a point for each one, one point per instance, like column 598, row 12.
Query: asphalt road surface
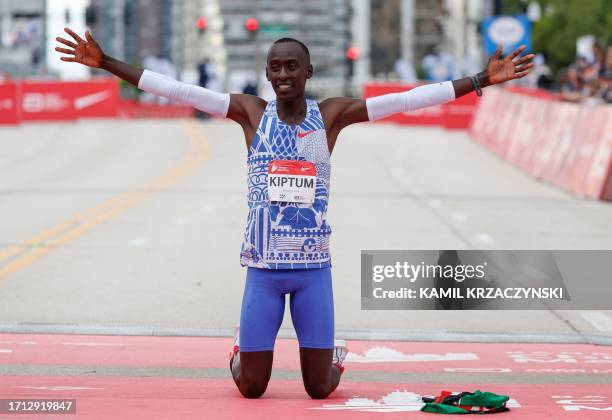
column 135, row 227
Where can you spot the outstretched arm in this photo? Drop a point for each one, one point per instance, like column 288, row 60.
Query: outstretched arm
column 341, row 112
column 243, row 109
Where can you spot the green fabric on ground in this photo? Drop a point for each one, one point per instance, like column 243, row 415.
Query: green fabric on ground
column 443, row 409
column 485, row 399
column 473, row 403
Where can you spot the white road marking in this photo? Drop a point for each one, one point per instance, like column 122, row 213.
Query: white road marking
column 181, row 221
column 478, row 370
column 93, row 344
column 6, row 351
column 459, row 217
column 30, row 149
column 599, row 320
column 385, row 354
column 484, row 238
column 396, row 401
column 55, row 388
column 138, row 242
column 434, row 202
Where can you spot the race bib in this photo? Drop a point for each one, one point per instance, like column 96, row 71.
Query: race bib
column 292, row 181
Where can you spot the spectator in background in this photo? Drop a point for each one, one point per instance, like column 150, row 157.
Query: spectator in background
column 439, row 67
column 541, row 76
column 591, row 69
column 405, row 71
column 607, row 73
column 600, row 59
column 572, row 84
column 606, row 77
column 250, row 88
column 203, row 72
column 203, row 79
column 590, row 81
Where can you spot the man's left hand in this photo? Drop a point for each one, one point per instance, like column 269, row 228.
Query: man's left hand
column 513, row 66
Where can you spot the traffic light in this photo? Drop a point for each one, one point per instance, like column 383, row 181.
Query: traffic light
column 353, row 53
column 251, row 25
column 202, row 24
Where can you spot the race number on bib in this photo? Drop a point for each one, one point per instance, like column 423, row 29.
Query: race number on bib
column 292, row 181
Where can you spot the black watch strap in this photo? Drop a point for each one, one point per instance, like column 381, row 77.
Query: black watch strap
column 476, row 85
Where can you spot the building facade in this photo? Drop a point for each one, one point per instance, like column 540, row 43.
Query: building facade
column 22, row 37
column 384, row 31
column 411, row 30
column 134, row 29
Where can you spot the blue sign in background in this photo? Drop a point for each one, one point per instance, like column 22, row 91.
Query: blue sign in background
column 509, row 31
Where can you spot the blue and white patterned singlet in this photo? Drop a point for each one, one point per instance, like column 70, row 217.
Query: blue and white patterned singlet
column 281, row 235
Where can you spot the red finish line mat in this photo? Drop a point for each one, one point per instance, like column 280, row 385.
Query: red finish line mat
column 389, row 356
column 135, row 377
column 174, row 398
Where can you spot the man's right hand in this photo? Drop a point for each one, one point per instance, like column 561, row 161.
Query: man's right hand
column 87, row 52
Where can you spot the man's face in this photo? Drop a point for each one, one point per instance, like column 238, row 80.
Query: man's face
column 287, row 69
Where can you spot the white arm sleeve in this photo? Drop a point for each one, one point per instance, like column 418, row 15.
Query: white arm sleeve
column 420, row 97
column 206, row 100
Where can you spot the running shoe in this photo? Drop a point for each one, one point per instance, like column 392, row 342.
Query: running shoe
column 340, row 353
column 234, row 354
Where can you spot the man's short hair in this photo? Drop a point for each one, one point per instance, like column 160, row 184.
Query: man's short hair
column 300, row 43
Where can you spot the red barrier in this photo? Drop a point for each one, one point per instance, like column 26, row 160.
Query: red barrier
column 561, row 140
column 506, row 123
column 134, row 109
column 9, row 109
column 459, row 113
column 483, row 124
column 45, row 101
column 69, row 100
column 527, row 112
column 534, row 93
column 456, row 114
column 540, row 143
column 57, row 101
column 598, row 181
column 568, row 145
column 536, row 112
column 587, row 132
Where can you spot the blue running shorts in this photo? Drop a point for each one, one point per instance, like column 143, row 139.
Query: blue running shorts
column 263, row 307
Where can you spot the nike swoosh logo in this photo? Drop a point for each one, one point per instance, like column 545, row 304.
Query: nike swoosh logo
column 89, row 100
column 306, row 169
column 305, row 133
